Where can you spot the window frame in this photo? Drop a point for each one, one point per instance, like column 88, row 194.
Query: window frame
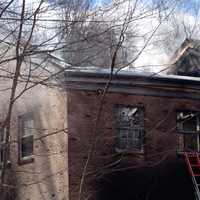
column 186, row 133
column 129, row 129
column 181, row 130
column 21, row 120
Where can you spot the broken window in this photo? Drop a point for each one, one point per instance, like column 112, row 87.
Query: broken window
column 188, row 123
column 130, row 128
column 26, row 136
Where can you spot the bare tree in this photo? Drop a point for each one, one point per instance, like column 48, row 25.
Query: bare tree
column 112, row 36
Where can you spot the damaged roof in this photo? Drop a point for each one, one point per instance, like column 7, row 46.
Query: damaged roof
column 187, row 59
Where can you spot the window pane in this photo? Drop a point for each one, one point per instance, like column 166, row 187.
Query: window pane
column 27, row 146
column 136, row 139
column 190, row 124
column 1, row 155
column 190, row 143
column 122, row 140
column 125, row 115
column 28, row 127
column 2, row 134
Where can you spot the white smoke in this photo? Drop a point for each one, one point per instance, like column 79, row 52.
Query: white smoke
column 158, row 50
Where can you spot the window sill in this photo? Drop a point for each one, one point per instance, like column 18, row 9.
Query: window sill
column 26, row 160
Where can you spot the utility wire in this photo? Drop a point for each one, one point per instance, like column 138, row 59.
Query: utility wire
column 58, row 20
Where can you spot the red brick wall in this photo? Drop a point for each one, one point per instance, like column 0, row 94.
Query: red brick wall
column 160, row 133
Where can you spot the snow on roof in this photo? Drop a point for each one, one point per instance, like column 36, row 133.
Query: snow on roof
column 58, row 61
column 95, row 71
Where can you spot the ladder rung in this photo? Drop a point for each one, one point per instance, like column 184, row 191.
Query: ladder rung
column 195, row 165
column 193, row 156
column 196, row 174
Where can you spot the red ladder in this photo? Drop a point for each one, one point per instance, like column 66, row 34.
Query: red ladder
column 193, row 163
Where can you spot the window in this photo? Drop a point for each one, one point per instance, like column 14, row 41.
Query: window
column 2, row 145
column 130, row 128
column 188, row 123
column 26, row 137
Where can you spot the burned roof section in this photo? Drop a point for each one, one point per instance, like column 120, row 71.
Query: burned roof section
column 187, row 59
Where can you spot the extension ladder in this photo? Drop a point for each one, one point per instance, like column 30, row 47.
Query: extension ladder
column 192, row 160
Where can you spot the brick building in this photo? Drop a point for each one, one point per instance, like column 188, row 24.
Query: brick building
column 143, row 120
